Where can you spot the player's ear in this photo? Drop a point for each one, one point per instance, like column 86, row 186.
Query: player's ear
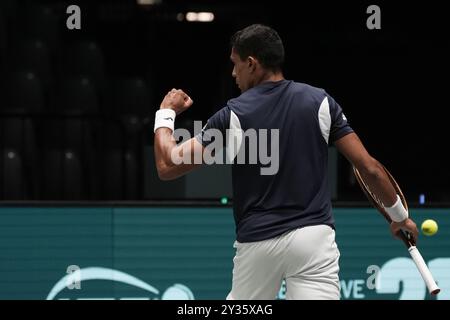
column 251, row 62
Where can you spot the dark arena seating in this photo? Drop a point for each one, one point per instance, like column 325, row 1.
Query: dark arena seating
column 319, row 100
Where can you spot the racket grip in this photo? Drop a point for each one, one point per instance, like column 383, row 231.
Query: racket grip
column 424, row 271
column 407, row 238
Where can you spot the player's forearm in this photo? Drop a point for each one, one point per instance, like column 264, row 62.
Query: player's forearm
column 170, row 160
column 378, row 181
column 164, row 144
column 370, row 169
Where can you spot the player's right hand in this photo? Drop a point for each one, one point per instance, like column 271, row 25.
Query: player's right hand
column 406, row 225
column 176, row 100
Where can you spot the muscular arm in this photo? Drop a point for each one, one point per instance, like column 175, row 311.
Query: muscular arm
column 168, row 155
column 172, row 160
column 371, row 170
column 375, row 176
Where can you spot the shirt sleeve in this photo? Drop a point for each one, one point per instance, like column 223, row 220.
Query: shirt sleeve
column 219, row 121
column 339, row 123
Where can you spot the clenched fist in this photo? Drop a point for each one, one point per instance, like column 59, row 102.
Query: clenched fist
column 176, row 100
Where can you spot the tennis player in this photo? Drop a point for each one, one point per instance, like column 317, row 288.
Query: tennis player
column 284, row 221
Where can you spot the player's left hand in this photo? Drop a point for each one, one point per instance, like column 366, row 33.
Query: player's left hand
column 406, row 225
column 176, row 100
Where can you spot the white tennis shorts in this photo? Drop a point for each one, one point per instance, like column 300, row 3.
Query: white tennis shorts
column 307, row 258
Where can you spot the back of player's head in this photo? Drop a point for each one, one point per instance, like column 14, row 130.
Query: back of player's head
column 260, row 42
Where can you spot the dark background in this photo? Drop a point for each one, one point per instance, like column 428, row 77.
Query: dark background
column 391, row 84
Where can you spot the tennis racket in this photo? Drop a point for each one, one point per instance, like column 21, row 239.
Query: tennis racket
column 404, row 235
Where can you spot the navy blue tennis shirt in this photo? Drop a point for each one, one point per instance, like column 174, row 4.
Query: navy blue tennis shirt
column 297, row 193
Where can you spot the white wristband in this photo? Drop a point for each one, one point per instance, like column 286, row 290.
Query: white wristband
column 397, row 212
column 164, row 118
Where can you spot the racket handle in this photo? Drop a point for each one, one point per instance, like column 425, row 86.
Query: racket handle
column 424, row 271
column 407, row 238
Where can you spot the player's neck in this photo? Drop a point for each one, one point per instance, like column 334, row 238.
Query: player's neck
column 271, row 77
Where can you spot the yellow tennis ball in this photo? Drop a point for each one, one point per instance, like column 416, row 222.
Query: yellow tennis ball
column 429, row 227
